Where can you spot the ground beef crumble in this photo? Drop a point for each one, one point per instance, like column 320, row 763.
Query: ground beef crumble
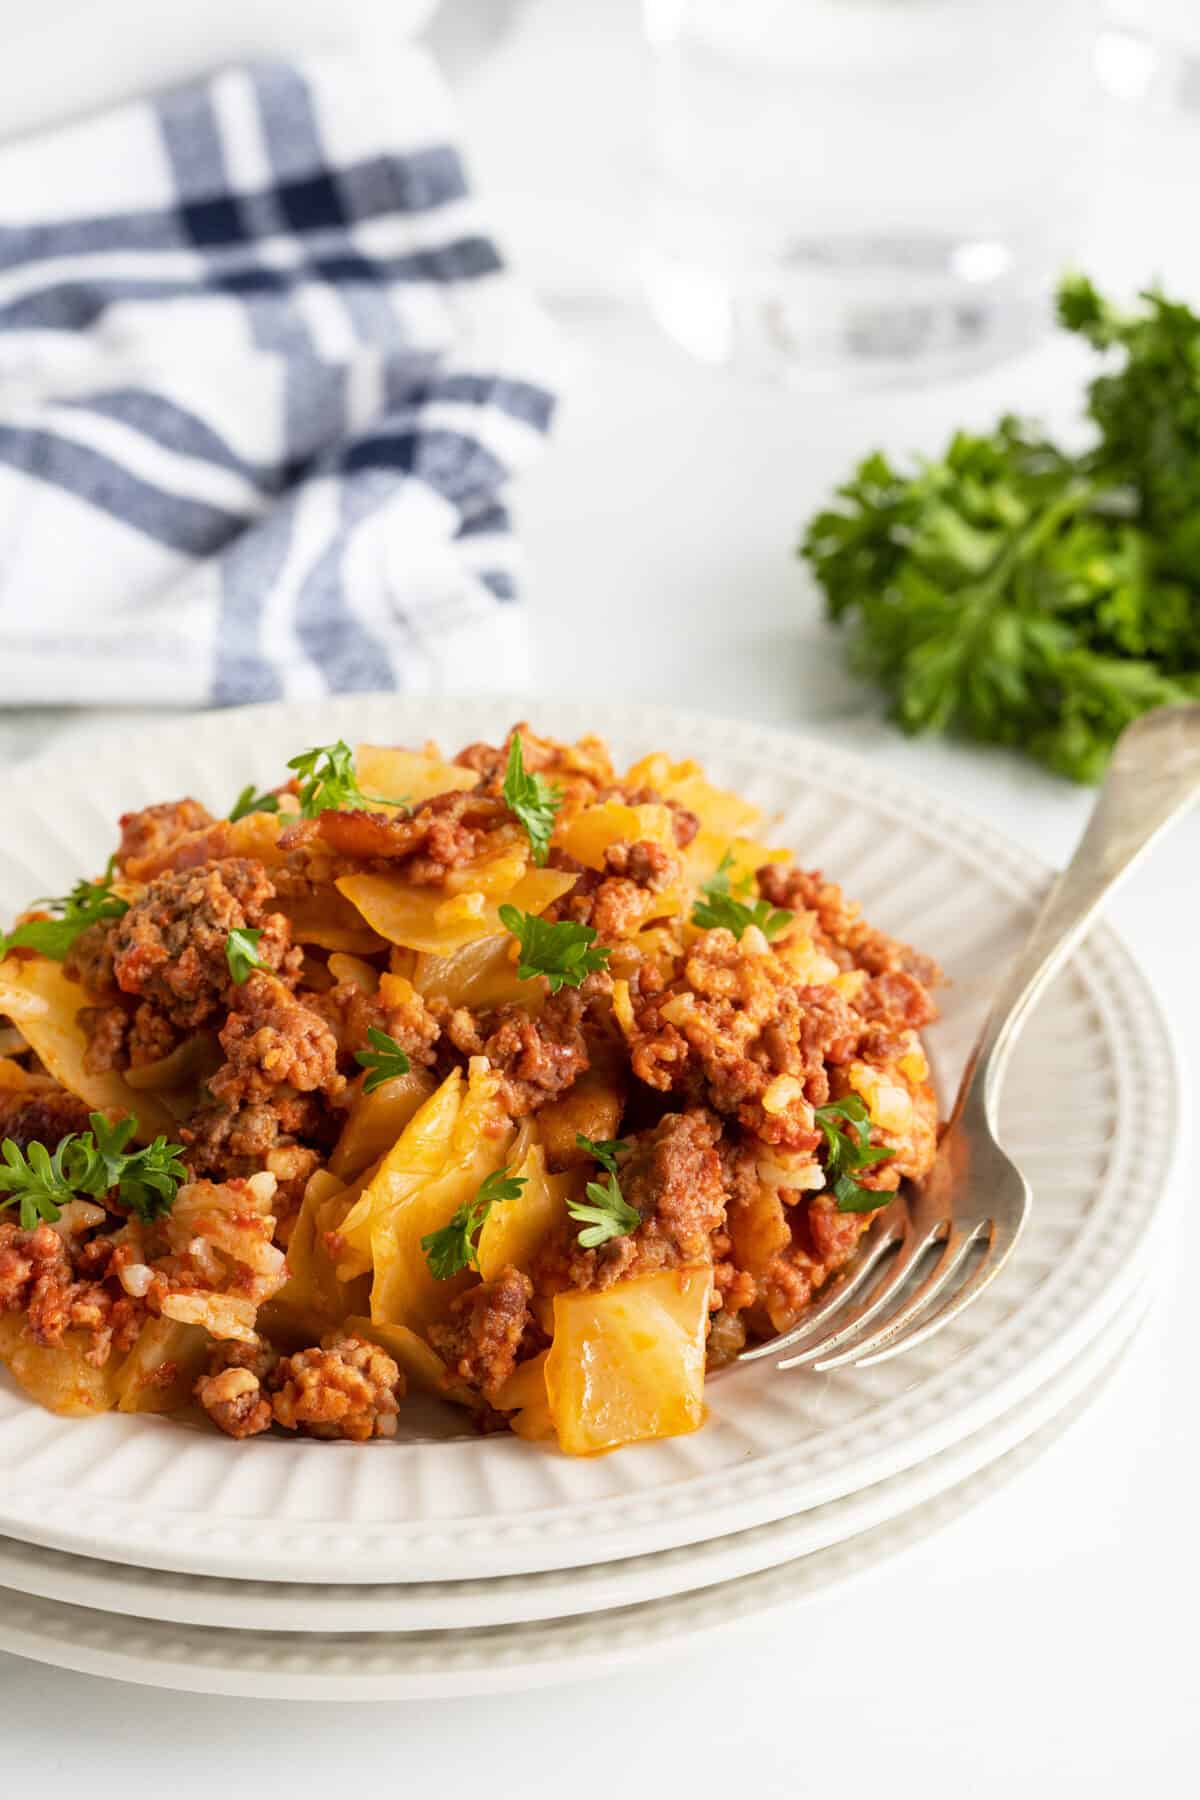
column 40, row 1277
column 40, row 1116
column 614, row 902
column 840, row 927
column 170, row 946
column 732, row 1021
column 539, row 1057
column 672, row 1175
column 350, row 1389
column 232, row 1392
column 351, row 1013
column 89, row 961
column 440, row 834
column 125, row 1036
column 483, row 1336
column 147, row 834
column 272, row 1039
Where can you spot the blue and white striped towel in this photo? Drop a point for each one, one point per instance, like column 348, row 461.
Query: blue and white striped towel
column 263, row 380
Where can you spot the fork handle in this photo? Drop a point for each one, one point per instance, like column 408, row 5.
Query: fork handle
column 1153, row 777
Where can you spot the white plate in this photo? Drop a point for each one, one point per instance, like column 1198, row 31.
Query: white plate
column 1089, row 1109
column 521, row 1599
column 337, row 1668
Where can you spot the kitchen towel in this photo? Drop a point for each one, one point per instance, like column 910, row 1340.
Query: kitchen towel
column 264, row 380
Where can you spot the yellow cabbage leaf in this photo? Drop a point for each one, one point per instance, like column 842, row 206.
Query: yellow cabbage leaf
column 724, row 816
column 58, row 1377
column 353, row 969
column 330, row 922
column 482, row 973
column 524, row 1394
column 314, row 1298
column 746, row 857
column 376, row 1120
column 408, row 774
column 494, row 876
column 591, row 1107
column 163, row 1349
column 586, row 835
column 13, row 1078
column 404, row 1290
column 515, row 1230
column 413, row 1160
column 37, row 996
column 257, row 836
column 628, row 1362
column 430, row 920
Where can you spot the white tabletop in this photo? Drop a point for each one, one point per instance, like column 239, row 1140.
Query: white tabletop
column 1049, row 1634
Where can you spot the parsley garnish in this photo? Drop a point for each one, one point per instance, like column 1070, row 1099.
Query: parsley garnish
column 249, row 802
column 385, row 1060
column 455, row 1246
column 93, row 1163
column 719, row 907
column 36, row 1180
column 605, row 1152
column 532, row 800
column 849, row 1151
column 146, row 1180
column 608, row 1216
column 88, row 903
column 241, row 952
column 328, row 783
column 1021, row 593
column 564, row 953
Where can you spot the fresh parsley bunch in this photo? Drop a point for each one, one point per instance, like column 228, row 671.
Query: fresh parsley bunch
column 1017, row 593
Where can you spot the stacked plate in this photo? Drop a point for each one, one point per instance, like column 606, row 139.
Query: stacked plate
column 139, row 1548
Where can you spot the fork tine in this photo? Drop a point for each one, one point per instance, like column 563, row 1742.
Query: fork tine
column 890, row 1337
column 970, row 1290
column 890, row 1229
column 910, row 1252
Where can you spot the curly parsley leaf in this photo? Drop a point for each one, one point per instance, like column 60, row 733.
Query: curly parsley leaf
column 249, row 801
column 605, row 1213
column 1017, row 593
column 35, row 1181
column 146, row 1180
column 327, row 782
column 241, row 952
column 565, row 953
column 94, row 1163
column 847, row 1151
column 456, row 1246
column 88, row 903
column 720, row 907
column 383, row 1061
column 531, row 799
column 605, row 1152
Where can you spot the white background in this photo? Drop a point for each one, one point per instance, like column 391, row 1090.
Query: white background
column 1047, row 1642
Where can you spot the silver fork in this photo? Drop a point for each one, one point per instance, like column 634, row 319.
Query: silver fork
column 965, row 1218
